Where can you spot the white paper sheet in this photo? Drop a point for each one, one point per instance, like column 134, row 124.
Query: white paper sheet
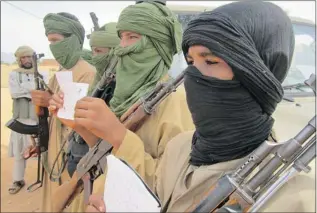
column 72, row 93
column 125, row 191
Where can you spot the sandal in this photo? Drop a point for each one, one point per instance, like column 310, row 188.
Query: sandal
column 16, row 186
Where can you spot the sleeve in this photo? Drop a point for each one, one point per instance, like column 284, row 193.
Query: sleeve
column 132, row 151
column 16, row 89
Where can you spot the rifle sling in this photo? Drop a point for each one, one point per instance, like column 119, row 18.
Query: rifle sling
column 56, row 177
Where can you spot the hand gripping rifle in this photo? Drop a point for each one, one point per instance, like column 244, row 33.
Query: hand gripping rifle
column 93, row 164
column 245, row 190
column 95, row 22
column 39, row 132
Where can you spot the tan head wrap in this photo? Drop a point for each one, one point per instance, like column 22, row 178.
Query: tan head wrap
column 23, row 51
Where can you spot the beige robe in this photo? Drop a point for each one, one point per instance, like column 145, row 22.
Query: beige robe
column 185, row 184
column 83, row 72
column 171, row 118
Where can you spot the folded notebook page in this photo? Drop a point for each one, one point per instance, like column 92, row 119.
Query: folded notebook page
column 72, row 93
column 125, row 191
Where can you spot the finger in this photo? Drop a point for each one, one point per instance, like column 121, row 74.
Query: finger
column 82, row 104
column 51, row 108
column 88, row 99
column 58, row 99
column 81, row 113
column 97, row 201
column 53, row 103
column 61, row 94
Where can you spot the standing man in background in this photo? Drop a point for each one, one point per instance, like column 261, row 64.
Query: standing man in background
column 21, row 82
column 66, row 36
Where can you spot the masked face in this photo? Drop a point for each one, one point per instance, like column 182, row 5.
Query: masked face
column 26, row 62
column 208, row 64
column 54, row 37
column 67, row 51
column 229, row 122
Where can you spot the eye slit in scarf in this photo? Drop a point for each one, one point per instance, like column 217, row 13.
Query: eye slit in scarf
column 142, row 65
column 256, row 39
column 258, row 44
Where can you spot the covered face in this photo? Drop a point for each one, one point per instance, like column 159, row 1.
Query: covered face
column 24, row 57
column 240, row 52
column 150, row 35
column 66, row 35
column 103, row 40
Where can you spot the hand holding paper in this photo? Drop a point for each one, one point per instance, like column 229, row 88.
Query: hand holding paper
column 72, row 93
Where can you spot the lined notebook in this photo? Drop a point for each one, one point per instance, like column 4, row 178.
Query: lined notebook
column 125, row 191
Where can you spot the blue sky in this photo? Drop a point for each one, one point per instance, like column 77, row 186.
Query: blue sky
column 21, row 28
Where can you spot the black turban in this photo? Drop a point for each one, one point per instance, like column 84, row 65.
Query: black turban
column 255, row 38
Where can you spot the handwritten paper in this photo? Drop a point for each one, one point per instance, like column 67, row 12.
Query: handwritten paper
column 125, row 191
column 72, row 93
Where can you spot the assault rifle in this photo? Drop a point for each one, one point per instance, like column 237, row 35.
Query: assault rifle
column 93, row 164
column 40, row 132
column 245, row 190
column 95, row 22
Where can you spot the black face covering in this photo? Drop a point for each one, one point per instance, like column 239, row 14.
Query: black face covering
column 233, row 118
column 229, row 122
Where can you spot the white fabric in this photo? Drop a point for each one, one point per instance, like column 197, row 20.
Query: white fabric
column 19, row 142
column 19, row 169
column 179, row 64
column 21, row 84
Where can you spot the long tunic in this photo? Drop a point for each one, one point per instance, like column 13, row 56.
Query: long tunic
column 20, row 86
column 83, row 72
column 171, row 118
column 183, row 184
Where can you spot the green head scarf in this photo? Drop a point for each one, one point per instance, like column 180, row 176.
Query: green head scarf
column 68, row 51
column 106, row 37
column 142, row 65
